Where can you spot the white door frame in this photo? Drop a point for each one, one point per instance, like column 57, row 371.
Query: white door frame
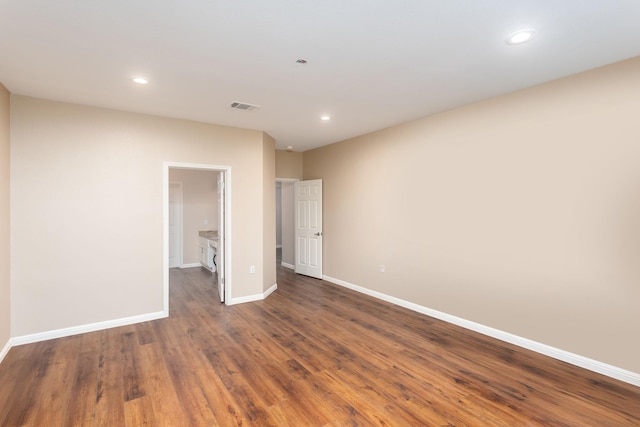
column 226, row 170
column 221, row 270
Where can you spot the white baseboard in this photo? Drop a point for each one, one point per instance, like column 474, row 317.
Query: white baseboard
column 252, row 298
column 92, row 327
column 271, row 290
column 192, row 265
column 556, row 353
column 287, row 265
column 5, row 350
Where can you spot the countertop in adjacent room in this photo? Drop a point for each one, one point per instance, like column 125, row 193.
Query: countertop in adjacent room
column 209, row 234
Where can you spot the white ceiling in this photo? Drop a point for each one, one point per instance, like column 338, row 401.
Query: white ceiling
column 371, row 63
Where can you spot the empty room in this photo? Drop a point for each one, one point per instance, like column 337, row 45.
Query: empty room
column 296, row 213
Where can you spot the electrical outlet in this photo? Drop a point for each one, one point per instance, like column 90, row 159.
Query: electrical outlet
column 252, row 269
column 382, row 268
column 206, row 222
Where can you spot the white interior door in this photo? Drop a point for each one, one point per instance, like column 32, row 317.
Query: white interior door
column 175, row 224
column 308, row 227
column 220, row 261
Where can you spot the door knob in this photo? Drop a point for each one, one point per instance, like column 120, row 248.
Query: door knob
column 319, row 233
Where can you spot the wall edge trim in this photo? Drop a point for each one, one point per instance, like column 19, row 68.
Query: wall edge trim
column 611, row 371
column 287, row 265
column 254, row 297
column 271, row 290
column 191, row 265
column 90, row 327
column 5, row 350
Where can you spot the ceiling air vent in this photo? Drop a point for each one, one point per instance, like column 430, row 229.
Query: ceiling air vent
column 244, row 106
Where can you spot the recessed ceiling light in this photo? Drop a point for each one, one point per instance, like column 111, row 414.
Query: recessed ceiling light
column 521, row 36
column 325, row 118
column 140, row 80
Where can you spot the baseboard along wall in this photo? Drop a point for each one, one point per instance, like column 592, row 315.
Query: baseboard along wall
column 192, row 265
column 563, row 355
column 5, row 350
column 251, row 298
column 287, row 265
column 556, row 353
column 75, row 330
column 92, row 327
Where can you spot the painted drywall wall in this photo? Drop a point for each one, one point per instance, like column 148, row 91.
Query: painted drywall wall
column 269, row 211
column 521, row 213
column 5, row 224
column 199, row 205
column 86, row 188
column 288, row 164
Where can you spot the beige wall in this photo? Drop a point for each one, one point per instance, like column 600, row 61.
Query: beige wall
column 86, row 204
column 521, row 213
column 199, row 204
column 269, row 211
column 5, row 285
column 288, row 164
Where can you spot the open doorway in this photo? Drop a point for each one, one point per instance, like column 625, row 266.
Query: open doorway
column 175, row 224
column 285, row 222
column 205, row 212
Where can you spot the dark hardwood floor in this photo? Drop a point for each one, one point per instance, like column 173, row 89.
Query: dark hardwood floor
column 312, row 354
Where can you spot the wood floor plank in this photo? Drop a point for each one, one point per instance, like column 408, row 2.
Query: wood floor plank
column 83, row 390
column 133, row 380
column 166, row 403
column 179, row 361
column 58, row 386
column 312, row 354
column 139, row 412
column 109, row 409
column 14, row 371
column 26, row 396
